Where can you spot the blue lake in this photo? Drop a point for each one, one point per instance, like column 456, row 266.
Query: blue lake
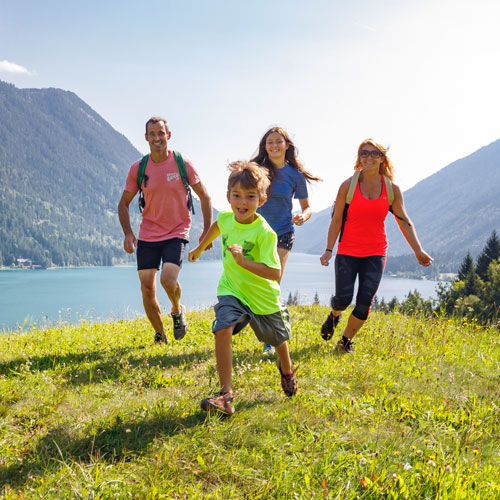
column 44, row 297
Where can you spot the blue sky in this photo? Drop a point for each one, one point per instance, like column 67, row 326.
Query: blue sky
column 421, row 76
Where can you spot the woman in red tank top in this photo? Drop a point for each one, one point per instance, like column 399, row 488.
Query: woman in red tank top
column 362, row 250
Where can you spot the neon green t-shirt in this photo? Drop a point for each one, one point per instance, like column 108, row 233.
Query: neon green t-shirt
column 259, row 242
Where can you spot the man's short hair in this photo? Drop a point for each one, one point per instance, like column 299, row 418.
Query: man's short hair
column 250, row 175
column 156, row 119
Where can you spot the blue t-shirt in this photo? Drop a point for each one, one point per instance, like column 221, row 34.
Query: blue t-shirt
column 287, row 184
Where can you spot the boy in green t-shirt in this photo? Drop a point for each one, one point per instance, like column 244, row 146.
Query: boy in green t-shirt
column 248, row 290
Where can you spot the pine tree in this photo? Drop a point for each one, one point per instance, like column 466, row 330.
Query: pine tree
column 472, row 284
column 316, row 299
column 490, row 252
column 393, row 303
column 466, row 267
column 490, row 304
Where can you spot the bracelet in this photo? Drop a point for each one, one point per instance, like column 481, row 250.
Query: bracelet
column 328, row 250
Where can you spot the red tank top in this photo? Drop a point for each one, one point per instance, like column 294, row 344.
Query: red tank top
column 364, row 231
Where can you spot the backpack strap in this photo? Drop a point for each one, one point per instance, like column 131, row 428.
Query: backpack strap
column 352, row 187
column 141, row 173
column 182, row 170
column 389, row 190
column 348, row 199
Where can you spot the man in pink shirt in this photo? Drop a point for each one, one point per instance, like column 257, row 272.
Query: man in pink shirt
column 165, row 225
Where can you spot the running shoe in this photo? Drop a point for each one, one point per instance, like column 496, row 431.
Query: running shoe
column 159, row 338
column 329, row 326
column 268, row 350
column 289, row 381
column 345, row 345
column 180, row 325
column 220, row 402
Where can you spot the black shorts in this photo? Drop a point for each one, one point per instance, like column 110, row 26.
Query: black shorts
column 286, row 240
column 150, row 254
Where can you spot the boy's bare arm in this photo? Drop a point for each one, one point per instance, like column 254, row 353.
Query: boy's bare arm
column 257, row 268
column 212, row 233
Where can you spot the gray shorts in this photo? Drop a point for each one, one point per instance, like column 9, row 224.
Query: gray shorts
column 272, row 329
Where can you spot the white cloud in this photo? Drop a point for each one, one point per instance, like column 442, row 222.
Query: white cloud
column 10, row 67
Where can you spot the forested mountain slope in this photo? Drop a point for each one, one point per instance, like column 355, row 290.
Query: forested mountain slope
column 62, row 172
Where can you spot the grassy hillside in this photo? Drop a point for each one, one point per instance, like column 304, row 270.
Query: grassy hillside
column 97, row 411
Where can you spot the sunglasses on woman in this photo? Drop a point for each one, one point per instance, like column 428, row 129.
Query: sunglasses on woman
column 374, row 154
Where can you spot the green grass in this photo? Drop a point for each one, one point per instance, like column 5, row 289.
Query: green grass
column 97, row 411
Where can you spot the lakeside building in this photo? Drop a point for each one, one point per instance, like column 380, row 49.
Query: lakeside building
column 26, row 264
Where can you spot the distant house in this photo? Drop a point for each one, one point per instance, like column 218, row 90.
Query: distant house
column 27, row 264
column 24, row 263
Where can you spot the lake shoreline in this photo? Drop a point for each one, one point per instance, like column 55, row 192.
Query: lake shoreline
column 97, row 293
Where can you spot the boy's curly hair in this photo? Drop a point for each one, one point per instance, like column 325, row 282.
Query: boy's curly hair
column 250, row 175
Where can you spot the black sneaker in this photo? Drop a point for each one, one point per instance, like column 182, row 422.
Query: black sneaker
column 159, row 338
column 329, row 326
column 345, row 345
column 180, row 325
column 289, row 381
column 220, row 402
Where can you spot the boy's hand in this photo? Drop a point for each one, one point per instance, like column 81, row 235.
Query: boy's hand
column 237, row 252
column 194, row 255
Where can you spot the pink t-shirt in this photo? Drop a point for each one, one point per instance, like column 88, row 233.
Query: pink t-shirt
column 166, row 214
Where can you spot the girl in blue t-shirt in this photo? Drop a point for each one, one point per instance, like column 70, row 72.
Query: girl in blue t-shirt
column 278, row 155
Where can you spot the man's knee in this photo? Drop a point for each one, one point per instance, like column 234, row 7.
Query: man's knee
column 148, row 290
column 168, row 277
column 169, row 283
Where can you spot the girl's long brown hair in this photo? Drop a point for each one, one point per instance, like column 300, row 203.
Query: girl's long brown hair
column 262, row 158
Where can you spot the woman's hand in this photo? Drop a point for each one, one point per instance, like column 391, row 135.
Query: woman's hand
column 325, row 258
column 424, row 259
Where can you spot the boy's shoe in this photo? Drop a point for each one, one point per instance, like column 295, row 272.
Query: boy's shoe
column 159, row 338
column 268, row 350
column 221, row 402
column 345, row 345
column 180, row 325
column 288, row 382
column 329, row 325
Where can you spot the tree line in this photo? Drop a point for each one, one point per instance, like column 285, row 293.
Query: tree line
column 474, row 294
